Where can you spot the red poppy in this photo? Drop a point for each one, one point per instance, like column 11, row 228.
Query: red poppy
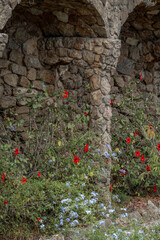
column 86, row 148
column 158, row 147
column 86, row 114
column 135, row 133
column 111, row 101
column 38, row 174
column 154, row 188
column 140, row 76
column 148, row 168
column 16, row 151
column 107, row 160
column 24, row 180
column 123, row 172
column 150, row 126
column 128, row 140
column 60, row 180
column 137, row 154
column 66, row 94
column 76, row 159
column 3, row 177
column 5, row 202
column 110, row 188
column 142, row 158
column 39, row 219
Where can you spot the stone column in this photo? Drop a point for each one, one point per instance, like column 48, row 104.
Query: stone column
column 101, row 111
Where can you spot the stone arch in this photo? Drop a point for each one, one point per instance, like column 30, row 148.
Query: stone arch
column 40, row 47
column 139, row 55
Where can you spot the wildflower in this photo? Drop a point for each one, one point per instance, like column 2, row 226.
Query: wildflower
column 91, row 201
column 3, row 177
column 94, row 194
column 148, row 168
column 86, row 148
column 128, row 140
column 66, row 200
column 74, row 222
column 5, row 202
column 83, row 184
column 101, row 204
column 107, row 215
column 44, row 217
column 140, row 232
column 110, row 188
column 135, row 133
column 107, row 160
column 67, row 184
column 140, row 76
column 153, row 231
column 54, row 202
column 154, row 188
column 42, row 226
column 115, row 236
column 111, row 210
column 123, row 172
column 89, row 167
column 103, row 213
column 16, row 151
column 77, row 206
column 82, row 196
column 142, row 158
column 61, row 222
column 24, row 180
column 38, row 174
column 77, row 199
column 124, row 209
column 106, row 154
column 158, row 147
column 11, row 128
column 68, row 219
column 91, row 174
column 137, row 154
column 39, row 219
column 86, row 114
column 56, row 225
column 76, row 159
column 74, row 214
column 50, row 161
column 66, row 94
column 111, row 101
column 61, row 216
column 88, row 212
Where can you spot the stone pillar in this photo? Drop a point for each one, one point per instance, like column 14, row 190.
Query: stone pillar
column 101, row 111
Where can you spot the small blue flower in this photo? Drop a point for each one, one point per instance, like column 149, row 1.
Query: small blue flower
column 111, row 210
column 89, row 146
column 89, row 167
column 108, row 145
column 67, row 219
column 54, row 202
column 140, row 232
column 83, row 184
column 77, row 199
column 88, row 212
column 67, row 184
column 74, row 222
column 61, row 216
column 11, row 128
column 56, row 225
column 92, row 161
column 102, row 222
column 115, row 236
column 82, row 196
column 101, row 204
column 61, row 222
column 77, row 206
column 44, row 217
column 103, row 213
column 107, row 215
column 153, row 231
column 65, row 168
column 66, row 200
column 50, row 161
column 42, row 226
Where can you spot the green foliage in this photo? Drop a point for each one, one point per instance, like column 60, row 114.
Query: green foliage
column 52, row 142
column 138, row 179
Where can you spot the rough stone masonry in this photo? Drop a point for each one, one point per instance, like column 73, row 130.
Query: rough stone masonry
column 70, row 43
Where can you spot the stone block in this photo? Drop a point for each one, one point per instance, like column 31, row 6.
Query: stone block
column 31, row 74
column 11, row 79
column 24, row 82
column 6, row 102
column 88, row 57
column 39, row 85
column 32, row 62
column 95, row 82
column 30, row 47
column 25, row 92
column 20, row 70
column 16, row 56
column 96, row 98
column 4, row 63
column 126, row 66
column 21, row 110
column 47, row 76
column 75, row 54
column 1, row 91
column 105, row 86
column 132, row 41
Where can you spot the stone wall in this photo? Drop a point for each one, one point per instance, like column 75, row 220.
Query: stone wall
column 140, row 54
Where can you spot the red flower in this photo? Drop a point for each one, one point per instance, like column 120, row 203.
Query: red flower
column 123, row 172
column 158, row 147
column 24, row 180
column 38, row 174
column 5, row 202
column 39, row 219
column 3, row 177
column 86, row 148
column 136, row 133
column 66, row 94
column 86, row 114
column 128, row 140
column 107, row 160
column 110, row 188
column 111, row 101
column 76, row 159
column 140, row 77
column 16, row 151
column 148, row 169
column 154, row 188
column 142, row 158
column 137, row 154
column 150, row 126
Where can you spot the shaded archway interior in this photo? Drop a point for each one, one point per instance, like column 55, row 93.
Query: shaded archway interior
column 140, row 54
